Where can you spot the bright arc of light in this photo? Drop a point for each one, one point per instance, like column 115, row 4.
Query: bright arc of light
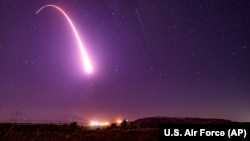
column 85, row 59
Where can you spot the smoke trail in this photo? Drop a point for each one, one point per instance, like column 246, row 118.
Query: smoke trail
column 85, row 59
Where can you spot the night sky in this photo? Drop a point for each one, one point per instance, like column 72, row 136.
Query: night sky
column 175, row 58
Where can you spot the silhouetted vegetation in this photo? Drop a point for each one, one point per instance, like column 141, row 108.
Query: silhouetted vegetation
column 113, row 125
column 73, row 124
column 124, row 123
column 142, row 129
column 27, row 132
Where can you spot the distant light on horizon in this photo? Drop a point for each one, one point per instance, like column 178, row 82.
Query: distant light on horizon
column 96, row 123
column 119, row 121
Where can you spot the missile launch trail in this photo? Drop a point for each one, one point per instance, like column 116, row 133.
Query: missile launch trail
column 85, row 59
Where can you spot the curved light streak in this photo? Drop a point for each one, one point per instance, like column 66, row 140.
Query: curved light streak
column 85, row 59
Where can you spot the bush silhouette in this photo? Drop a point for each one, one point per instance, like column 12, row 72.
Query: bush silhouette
column 124, row 123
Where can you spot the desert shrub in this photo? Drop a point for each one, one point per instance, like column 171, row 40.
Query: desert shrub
column 113, row 125
column 124, row 123
column 73, row 124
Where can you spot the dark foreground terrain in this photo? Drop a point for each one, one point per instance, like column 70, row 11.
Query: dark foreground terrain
column 42, row 132
column 146, row 129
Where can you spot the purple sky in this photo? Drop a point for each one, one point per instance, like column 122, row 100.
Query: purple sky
column 150, row 58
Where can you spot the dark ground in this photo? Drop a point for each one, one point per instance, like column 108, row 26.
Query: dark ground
column 146, row 129
column 53, row 132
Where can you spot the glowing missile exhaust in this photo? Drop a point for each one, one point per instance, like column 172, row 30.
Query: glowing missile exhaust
column 85, row 59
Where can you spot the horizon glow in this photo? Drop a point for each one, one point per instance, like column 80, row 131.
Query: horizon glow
column 96, row 123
